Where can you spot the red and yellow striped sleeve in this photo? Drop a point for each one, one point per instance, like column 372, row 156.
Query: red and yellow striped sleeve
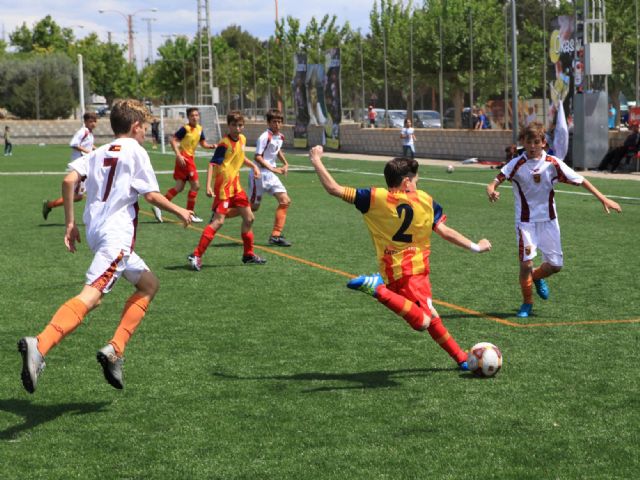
column 349, row 195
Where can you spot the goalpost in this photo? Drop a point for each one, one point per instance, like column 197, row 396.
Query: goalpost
column 172, row 117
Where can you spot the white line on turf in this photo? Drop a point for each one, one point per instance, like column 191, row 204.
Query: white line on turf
column 303, row 168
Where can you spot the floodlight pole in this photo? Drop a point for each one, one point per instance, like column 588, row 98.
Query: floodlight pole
column 81, row 84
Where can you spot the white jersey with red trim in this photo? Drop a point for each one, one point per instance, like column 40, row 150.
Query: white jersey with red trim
column 533, row 181
column 116, row 174
column 268, row 145
column 82, row 138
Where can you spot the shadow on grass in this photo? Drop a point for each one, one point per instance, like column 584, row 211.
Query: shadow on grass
column 359, row 380
column 35, row 415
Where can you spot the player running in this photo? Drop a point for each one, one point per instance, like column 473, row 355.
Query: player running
column 184, row 144
column 228, row 195
column 116, row 174
column 82, row 143
column 533, row 175
column 268, row 149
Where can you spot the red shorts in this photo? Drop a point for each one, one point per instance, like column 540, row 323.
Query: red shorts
column 415, row 288
column 188, row 172
column 222, row 206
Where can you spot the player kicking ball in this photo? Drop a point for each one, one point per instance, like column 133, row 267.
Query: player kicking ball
column 400, row 219
column 116, row 174
column 533, row 175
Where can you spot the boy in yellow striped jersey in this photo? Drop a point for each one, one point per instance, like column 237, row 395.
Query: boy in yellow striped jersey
column 400, row 220
column 184, row 143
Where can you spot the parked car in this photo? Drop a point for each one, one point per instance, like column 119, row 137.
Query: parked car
column 426, row 119
column 396, row 118
column 449, row 118
column 103, row 111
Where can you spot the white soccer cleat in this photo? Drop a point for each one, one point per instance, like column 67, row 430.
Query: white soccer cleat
column 195, row 219
column 111, row 366
column 157, row 213
column 32, row 362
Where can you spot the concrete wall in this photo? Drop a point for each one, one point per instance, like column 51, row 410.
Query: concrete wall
column 430, row 143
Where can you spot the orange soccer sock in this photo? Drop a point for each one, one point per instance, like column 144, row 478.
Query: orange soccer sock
column 441, row 335
column 247, row 242
column 56, row 203
column 205, row 239
column 543, row 271
column 134, row 310
column 412, row 313
column 64, row 321
column 172, row 192
column 280, row 220
column 526, row 285
column 191, row 199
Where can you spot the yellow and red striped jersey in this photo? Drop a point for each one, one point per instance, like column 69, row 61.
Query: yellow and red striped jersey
column 400, row 224
column 189, row 138
column 227, row 160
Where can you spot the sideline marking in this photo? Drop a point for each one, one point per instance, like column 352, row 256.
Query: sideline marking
column 451, row 306
column 304, row 168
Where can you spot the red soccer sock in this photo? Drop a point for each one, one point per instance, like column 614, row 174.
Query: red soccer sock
column 205, row 239
column 280, row 220
column 133, row 313
column 64, row 321
column 417, row 318
column 247, row 242
column 55, row 203
column 191, row 199
column 172, row 192
column 439, row 333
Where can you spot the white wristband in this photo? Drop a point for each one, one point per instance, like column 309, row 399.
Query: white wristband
column 474, row 247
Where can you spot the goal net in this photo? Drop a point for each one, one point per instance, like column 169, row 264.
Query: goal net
column 172, row 117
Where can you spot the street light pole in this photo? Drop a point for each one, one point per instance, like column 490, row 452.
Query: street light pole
column 514, row 73
column 386, row 89
column 471, row 56
column 129, row 19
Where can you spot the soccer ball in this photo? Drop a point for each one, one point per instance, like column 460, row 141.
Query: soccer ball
column 450, row 169
column 484, row 359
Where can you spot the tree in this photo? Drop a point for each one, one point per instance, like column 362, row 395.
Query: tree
column 47, row 36
column 40, row 86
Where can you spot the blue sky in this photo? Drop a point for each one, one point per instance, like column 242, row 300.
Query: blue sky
column 255, row 16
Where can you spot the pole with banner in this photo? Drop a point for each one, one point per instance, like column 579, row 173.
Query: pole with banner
column 333, row 99
column 299, row 84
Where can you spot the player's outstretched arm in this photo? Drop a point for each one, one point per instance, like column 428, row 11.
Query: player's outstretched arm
column 160, row 201
column 607, row 203
column 71, row 234
column 455, row 237
column 330, row 185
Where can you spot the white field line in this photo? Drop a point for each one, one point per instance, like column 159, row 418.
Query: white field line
column 303, row 168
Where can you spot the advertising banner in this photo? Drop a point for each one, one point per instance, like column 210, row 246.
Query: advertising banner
column 299, row 84
column 562, row 53
column 333, row 99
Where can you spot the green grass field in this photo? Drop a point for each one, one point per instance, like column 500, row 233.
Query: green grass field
column 279, row 371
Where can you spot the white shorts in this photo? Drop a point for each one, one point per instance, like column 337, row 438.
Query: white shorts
column 268, row 182
column 109, row 263
column 545, row 236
